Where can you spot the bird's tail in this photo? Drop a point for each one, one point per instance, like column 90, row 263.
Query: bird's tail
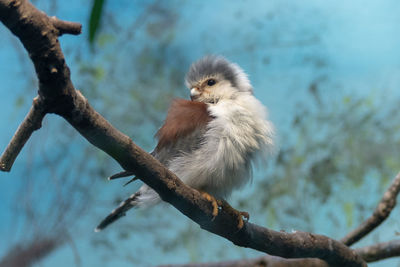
column 119, row 212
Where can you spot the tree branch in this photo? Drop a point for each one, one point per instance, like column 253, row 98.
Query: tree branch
column 66, row 26
column 372, row 253
column 382, row 211
column 31, row 123
column 380, row 251
column 39, row 36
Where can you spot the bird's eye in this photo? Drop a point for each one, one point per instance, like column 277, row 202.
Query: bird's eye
column 211, row 82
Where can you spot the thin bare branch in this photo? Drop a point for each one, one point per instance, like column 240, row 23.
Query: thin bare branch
column 31, row 123
column 66, row 27
column 75, row 250
column 380, row 251
column 382, row 211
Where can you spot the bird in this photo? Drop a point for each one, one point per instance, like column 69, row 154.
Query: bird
column 210, row 141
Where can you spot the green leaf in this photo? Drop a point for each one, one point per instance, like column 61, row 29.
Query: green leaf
column 95, row 16
column 349, row 211
column 104, row 39
column 19, row 102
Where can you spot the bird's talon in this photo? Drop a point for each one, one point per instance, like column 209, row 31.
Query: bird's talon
column 240, row 223
column 241, row 215
column 214, row 202
column 245, row 214
column 238, row 214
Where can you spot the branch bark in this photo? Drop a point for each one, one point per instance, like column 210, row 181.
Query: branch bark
column 31, row 123
column 39, row 35
column 380, row 251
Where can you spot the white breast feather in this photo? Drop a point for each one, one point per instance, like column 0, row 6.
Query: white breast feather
column 239, row 131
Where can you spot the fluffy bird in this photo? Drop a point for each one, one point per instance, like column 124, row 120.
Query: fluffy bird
column 210, row 141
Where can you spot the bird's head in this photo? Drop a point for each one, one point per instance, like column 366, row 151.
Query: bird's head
column 213, row 78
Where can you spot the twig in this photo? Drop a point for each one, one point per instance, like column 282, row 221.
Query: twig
column 74, row 249
column 31, row 123
column 66, row 27
column 380, row 251
column 382, row 211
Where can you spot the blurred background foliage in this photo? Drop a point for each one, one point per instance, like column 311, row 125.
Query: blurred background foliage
column 329, row 73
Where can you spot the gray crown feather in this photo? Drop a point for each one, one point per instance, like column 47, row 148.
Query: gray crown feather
column 213, row 65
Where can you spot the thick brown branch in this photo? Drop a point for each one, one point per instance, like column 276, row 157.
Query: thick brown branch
column 31, row 123
column 66, row 27
column 382, row 211
column 39, row 36
column 380, row 251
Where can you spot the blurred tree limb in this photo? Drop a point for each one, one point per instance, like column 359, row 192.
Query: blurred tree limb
column 381, row 212
column 30, row 253
column 39, row 35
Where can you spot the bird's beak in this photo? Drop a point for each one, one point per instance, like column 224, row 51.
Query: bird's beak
column 194, row 93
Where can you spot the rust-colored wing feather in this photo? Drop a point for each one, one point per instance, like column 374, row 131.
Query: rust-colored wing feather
column 184, row 117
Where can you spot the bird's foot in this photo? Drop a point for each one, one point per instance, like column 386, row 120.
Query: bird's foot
column 217, row 204
column 241, row 215
column 214, row 203
column 238, row 214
